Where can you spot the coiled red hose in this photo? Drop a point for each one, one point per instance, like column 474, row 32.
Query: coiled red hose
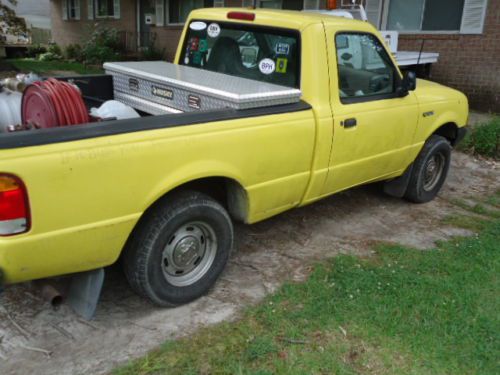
column 53, row 103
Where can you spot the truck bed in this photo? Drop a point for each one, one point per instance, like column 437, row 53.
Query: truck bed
column 97, row 89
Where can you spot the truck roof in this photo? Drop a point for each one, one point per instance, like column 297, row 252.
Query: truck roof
column 280, row 18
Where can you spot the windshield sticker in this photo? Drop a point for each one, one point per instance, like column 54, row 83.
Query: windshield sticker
column 282, row 48
column 198, row 26
column 267, row 66
column 197, row 58
column 194, row 44
column 203, row 47
column 281, row 65
column 213, row 30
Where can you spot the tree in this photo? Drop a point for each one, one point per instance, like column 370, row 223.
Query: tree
column 11, row 24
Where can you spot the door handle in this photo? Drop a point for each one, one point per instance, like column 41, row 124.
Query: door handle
column 349, row 123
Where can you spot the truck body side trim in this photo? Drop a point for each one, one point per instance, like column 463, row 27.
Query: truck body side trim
column 108, row 128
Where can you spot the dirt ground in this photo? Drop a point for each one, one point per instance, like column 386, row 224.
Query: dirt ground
column 265, row 255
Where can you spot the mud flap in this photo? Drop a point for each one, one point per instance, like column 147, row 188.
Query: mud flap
column 84, row 292
column 397, row 187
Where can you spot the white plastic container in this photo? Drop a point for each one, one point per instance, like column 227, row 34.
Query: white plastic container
column 10, row 109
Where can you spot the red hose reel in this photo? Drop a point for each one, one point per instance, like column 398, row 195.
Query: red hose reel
column 53, row 103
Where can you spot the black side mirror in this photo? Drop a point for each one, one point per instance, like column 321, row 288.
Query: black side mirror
column 411, row 80
column 408, row 83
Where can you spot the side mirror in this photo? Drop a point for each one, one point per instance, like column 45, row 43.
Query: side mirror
column 411, row 80
column 408, row 83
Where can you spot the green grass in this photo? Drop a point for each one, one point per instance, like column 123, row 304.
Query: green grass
column 402, row 311
column 41, row 67
column 483, row 139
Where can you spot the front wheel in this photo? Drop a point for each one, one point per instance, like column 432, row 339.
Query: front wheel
column 179, row 249
column 429, row 170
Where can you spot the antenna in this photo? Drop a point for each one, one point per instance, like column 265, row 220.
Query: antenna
column 420, row 53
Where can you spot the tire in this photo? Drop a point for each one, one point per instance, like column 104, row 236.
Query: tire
column 178, row 250
column 429, row 170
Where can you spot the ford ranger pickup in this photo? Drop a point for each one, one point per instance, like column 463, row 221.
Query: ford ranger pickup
column 160, row 192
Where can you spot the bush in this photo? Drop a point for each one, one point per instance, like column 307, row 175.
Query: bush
column 35, row 50
column 484, row 139
column 73, row 52
column 55, row 49
column 151, row 54
column 49, row 56
column 102, row 45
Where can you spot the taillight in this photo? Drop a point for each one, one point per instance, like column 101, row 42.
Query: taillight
column 14, row 206
column 244, row 16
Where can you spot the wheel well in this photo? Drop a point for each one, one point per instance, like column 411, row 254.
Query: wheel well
column 228, row 192
column 448, row 131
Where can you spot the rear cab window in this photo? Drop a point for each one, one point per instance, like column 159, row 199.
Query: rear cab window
column 260, row 53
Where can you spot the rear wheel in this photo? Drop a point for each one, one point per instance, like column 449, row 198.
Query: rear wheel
column 179, row 249
column 429, row 170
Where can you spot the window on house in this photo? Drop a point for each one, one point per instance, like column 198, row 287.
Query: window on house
column 178, row 10
column 285, row 4
column 425, row 15
column 71, row 9
column 365, row 69
column 105, row 8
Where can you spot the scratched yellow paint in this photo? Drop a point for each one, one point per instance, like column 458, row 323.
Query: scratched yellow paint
column 86, row 196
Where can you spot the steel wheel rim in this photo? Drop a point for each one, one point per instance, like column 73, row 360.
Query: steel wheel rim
column 433, row 171
column 189, row 253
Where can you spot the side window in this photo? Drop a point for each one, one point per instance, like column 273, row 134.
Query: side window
column 365, row 69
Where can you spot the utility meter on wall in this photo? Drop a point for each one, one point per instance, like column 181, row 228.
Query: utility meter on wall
column 149, row 19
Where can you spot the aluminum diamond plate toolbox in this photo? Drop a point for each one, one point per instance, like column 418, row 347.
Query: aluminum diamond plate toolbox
column 158, row 87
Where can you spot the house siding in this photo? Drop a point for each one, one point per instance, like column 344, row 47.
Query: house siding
column 167, row 37
column 469, row 63
column 73, row 31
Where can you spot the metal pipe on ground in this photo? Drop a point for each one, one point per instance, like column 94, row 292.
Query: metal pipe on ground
column 50, row 293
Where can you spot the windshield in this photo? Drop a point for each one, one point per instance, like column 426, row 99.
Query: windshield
column 263, row 54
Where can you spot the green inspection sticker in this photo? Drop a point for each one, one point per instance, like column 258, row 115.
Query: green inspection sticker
column 281, row 65
column 203, row 47
column 197, row 58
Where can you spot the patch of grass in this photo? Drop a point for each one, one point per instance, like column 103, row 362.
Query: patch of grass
column 41, row 67
column 402, row 311
column 465, row 222
column 483, row 139
column 479, row 208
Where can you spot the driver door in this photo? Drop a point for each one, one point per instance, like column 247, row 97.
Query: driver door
column 373, row 127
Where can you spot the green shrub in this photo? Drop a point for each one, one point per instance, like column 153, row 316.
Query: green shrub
column 151, row 54
column 73, row 52
column 55, row 49
column 49, row 56
column 35, row 50
column 484, row 139
column 102, row 45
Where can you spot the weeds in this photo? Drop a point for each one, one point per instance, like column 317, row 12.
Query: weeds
column 484, row 139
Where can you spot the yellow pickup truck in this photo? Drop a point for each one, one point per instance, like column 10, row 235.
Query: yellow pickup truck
column 161, row 192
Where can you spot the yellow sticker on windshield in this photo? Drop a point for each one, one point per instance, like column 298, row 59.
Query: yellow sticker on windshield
column 281, row 65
